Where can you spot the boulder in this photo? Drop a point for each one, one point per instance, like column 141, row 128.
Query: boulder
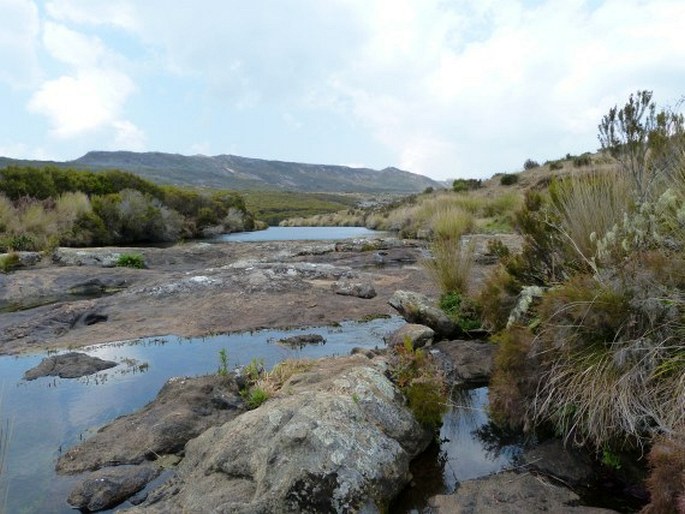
column 512, row 493
column 419, row 335
column 417, row 308
column 339, row 438
column 184, row 408
column 466, row 362
column 359, row 289
column 109, row 487
column 68, row 365
column 104, row 257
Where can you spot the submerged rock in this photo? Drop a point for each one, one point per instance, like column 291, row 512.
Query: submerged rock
column 466, row 362
column 302, row 340
column 417, row 308
column 512, row 493
column 338, row 439
column 109, row 487
column 183, row 409
column 68, row 365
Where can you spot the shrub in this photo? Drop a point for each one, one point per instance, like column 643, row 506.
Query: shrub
column 530, row 164
column 450, row 265
column 556, row 165
column 497, row 298
column 466, row 184
column 462, row 310
column 666, row 481
column 582, row 160
column 421, row 380
column 9, row 261
column 131, row 260
column 508, row 179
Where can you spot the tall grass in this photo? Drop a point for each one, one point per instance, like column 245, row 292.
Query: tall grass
column 450, row 265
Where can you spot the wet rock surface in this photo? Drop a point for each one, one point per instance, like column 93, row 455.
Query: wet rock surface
column 338, row 438
column 553, row 459
column 108, row 487
column 512, row 493
column 68, row 365
column 418, row 335
column 466, row 363
column 183, row 409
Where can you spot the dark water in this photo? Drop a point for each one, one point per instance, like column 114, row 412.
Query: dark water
column 301, row 233
column 468, row 447
column 51, row 414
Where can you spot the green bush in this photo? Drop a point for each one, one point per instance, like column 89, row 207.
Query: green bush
column 462, row 310
column 9, row 261
column 530, row 164
column 131, row 260
column 556, row 165
column 254, row 397
column 461, row 185
column 508, row 179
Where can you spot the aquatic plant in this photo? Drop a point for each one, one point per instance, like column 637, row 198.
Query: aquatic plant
column 223, row 363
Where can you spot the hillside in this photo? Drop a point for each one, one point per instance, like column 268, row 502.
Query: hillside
column 234, row 172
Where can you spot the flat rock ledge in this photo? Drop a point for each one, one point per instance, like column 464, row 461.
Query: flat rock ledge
column 465, row 363
column 513, row 493
column 336, row 438
column 68, row 365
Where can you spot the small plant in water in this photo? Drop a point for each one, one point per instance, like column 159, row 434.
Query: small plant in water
column 223, row 363
column 131, row 260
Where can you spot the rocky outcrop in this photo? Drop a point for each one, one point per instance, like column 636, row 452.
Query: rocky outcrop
column 104, row 257
column 360, row 289
column 465, row 362
column 338, row 439
column 418, row 335
column 68, row 365
column 417, row 308
column 512, row 493
column 109, row 487
column 184, row 408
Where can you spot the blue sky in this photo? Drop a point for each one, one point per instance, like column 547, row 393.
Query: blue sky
column 446, row 88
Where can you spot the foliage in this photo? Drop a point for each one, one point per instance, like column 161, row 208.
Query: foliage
column 461, row 185
column 646, row 143
column 254, row 397
column 556, row 165
column 131, row 260
column 666, row 481
column 508, row 179
column 462, row 310
column 497, row 298
column 582, row 160
column 276, row 206
column 9, row 261
column 223, row 363
column 421, row 381
column 530, row 164
column 450, row 265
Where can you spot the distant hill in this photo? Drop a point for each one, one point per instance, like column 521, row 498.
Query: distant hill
column 234, row 172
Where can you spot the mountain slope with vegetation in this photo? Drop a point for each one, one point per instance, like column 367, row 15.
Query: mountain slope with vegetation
column 234, row 172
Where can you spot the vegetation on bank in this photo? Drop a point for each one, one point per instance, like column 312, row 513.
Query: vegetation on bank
column 594, row 349
column 272, row 207
column 41, row 208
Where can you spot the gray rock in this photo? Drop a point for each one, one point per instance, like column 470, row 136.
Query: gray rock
column 419, row 335
column 466, row 362
column 109, row 487
column 359, row 289
column 68, row 365
column 337, row 439
column 552, row 458
column 183, row 409
column 27, row 259
column 104, row 257
column 511, row 493
column 417, row 308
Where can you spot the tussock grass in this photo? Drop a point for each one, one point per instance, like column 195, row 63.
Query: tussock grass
column 450, row 265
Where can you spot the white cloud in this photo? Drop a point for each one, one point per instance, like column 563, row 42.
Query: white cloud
column 115, row 13
column 72, row 47
column 127, row 136
column 84, row 102
column 19, row 31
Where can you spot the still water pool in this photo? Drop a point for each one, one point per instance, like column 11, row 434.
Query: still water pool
column 301, row 234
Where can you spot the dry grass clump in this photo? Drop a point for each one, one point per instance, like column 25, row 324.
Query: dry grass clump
column 450, row 264
column 272, row 381
column 666, row 482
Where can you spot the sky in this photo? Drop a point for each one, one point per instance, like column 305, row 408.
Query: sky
column 445, row 88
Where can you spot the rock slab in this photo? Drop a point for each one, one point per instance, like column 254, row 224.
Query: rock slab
column 338, row 439
column 418, row 335
column 68, row 365
column 466, row 362
column 417, row 308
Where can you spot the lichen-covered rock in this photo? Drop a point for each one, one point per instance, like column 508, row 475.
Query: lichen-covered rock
column 418, row 335
column 109, row 487
column 184, row 408
column 417, row 308
column 68, row 365
column 357, row 288
column 338, row 438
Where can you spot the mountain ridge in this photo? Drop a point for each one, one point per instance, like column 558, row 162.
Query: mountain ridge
column 227, row 171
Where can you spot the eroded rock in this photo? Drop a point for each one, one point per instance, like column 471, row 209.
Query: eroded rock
column 418, row 335
column 339, row 439
column 183, row 409
column 417, row 308
column 360, row 289
column 109, row 487
column 68, row 365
